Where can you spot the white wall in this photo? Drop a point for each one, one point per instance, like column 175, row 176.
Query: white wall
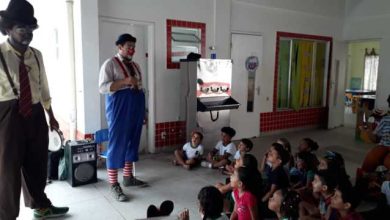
column 167, row 81
column 328, row 8
column 266, row 17
column 364, row 20
column 367, row 19
column 53, row 56
column 260, row 16
column 87, row 65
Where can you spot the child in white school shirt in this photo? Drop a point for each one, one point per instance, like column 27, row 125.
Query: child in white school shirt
column 190, row 154
column 223, row 152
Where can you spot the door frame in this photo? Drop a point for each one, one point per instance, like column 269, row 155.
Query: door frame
column 150, row 27
column 337, row 83
column 257, row 83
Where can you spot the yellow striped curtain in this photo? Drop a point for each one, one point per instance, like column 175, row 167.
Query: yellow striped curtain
column 302, row 74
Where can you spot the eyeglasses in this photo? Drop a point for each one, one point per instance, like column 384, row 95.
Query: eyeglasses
column 24, row 29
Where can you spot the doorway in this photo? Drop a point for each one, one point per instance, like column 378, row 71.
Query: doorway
column 109, row 30
column 361, row 78
column 246, row 48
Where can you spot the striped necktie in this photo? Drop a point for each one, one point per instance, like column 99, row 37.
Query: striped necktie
column 25, row 100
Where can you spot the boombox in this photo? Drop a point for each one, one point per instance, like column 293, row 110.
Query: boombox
column 81, row 159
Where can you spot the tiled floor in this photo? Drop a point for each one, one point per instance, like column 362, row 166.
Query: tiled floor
column 168, row 182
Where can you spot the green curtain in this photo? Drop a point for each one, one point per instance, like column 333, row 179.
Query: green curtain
column 305, row 91
column 283, row 72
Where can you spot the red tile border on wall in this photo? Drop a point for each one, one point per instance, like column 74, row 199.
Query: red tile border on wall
column 284, row 119
column 187, row 24
column 170, row 133
column 272, row 121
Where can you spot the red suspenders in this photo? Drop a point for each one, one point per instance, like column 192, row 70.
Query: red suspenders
column 124, row 69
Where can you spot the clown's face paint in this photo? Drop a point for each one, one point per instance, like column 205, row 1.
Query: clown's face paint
column 127, row 50
column 21, row 35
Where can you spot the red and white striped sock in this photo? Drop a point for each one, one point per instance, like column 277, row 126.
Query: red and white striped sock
column 112, row 176
column 128, row 169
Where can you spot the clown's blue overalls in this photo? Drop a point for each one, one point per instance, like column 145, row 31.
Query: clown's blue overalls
column 125, row 111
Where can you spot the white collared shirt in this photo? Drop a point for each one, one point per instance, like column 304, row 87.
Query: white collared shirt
column 111, row 71
column 37, row 75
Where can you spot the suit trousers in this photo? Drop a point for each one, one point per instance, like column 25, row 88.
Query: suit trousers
column 23, row 159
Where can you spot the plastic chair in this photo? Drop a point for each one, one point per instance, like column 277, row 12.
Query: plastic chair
column 101, row 136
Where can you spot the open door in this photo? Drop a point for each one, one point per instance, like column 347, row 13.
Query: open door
column 337, row 85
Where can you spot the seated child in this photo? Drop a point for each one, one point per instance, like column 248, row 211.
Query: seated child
column 246, row 160
column 324, row 184
column 250, row 162
column 285, row 204
column 277, row 177
column 287, row 146
column 210, row 205
column 223, row 151
column 265, row 166
column 385, row 188
column 244, row 146
column 308, row 145
column 343, row 204
column 334, row 162
column 302, row 175
column 244, row 192
column 191, row 153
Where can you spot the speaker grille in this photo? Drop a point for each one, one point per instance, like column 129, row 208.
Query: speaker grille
column 84, row 172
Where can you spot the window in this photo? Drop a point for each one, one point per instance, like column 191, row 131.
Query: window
column 184, row 37
column 302, row 73
column 371, row 61
column 185, row 41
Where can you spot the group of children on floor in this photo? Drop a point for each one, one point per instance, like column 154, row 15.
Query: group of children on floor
column 287, row 186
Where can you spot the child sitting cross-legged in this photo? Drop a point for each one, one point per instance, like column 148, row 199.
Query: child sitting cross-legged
column 343, row 204
column 223, row 152
column 191, row 153
column 244, row 146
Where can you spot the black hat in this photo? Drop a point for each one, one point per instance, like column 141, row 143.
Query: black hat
column 19, row 11
column 193, row 56
column 124, row 38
